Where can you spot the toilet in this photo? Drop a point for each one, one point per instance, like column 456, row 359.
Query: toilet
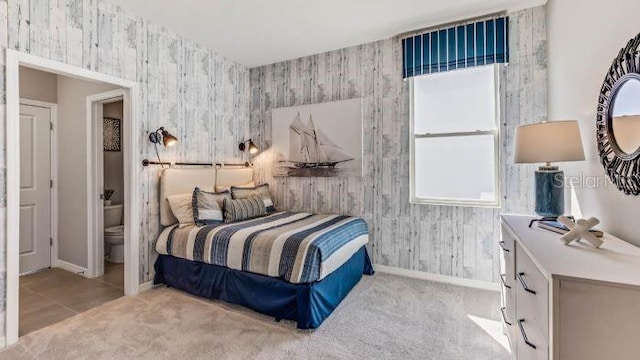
column 114, row 233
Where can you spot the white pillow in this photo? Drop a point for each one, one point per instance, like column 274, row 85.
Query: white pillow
column 182, row 208
column 222, row 188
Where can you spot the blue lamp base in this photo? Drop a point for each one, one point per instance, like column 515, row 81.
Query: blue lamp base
column 549, row 192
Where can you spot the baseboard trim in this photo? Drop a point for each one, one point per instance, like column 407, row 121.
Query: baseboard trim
column 67, row 266
column 146, row 286
column 476, row 284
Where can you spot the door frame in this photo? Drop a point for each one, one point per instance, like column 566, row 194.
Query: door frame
column 53, row 110
column 95, row 235
column 15, row 59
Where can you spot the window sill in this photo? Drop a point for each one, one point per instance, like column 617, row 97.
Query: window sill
column 457, row 203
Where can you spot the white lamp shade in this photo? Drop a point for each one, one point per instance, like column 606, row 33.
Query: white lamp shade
column 553, row 141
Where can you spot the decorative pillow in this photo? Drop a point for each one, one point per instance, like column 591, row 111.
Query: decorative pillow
column 207, row 206
column 181, row 207
column 261, row 191
column 221, row 188
column 243, row 209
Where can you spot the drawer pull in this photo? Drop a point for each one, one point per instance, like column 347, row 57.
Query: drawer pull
column 502, row 247
column 504, row 283
column 524, row 284
column 524, row 334
column 504, row 317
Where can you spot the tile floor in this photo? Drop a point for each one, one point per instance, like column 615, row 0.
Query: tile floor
column 50, row 296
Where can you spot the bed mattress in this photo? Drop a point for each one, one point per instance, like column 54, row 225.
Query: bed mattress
column 293, row 246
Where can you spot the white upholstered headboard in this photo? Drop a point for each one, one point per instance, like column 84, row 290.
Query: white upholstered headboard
column 183, row 181
column 234, row 177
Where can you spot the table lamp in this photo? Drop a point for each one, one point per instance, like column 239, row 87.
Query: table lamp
column 548, row 142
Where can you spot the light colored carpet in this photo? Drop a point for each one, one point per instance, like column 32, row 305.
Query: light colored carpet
column 384, row 317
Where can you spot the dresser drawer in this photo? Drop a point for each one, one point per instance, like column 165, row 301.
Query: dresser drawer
column 507, row 283
column 508, row 314
column 532, row 314
column 508, row 306
column 507, row 260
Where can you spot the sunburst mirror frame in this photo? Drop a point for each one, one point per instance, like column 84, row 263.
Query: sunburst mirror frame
column 622, row 169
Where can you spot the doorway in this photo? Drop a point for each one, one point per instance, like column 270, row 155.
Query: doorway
column 15, row 175
column 106, row 253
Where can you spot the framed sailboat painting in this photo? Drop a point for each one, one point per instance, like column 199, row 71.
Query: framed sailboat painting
column 318, row 140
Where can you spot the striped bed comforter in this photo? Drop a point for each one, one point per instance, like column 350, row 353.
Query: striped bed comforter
column 296, row 247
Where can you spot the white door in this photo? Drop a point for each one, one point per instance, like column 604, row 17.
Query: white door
column 35, row 188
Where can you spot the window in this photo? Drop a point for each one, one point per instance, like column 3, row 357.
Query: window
column 455, row 137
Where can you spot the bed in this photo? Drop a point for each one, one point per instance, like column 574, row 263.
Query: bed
column 290, row 265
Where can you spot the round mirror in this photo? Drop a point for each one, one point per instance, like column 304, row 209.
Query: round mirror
column 618, row 119
column 625, row 116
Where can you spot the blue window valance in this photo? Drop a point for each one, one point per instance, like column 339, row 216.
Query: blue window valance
column 475, row 44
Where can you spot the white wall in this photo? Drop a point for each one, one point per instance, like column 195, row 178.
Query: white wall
column 38, row 85
column 113, row 161
column 584, row 36
column 72, row 167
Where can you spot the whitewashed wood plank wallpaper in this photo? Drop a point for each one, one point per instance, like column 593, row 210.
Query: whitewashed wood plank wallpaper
column 454, row 241
column 211, row 103
column 199, row 95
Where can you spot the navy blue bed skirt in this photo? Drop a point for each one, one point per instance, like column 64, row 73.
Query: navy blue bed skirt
column 307, row 304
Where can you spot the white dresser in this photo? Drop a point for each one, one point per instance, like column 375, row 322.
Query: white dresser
column 568, row 301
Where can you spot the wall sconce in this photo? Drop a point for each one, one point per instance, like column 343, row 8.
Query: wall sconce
column 248, row 144
column 162, row 135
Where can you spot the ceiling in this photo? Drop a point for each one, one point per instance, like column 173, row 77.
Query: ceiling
column 259, row 32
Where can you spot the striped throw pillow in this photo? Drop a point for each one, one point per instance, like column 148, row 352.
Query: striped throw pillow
column 243, row 209
column 221, row 188
column 208, row 207
column 261, row 191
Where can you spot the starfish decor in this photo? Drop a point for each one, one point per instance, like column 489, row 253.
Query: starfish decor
column 580, row 231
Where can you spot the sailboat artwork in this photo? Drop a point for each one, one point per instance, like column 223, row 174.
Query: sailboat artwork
column 321, row 146
column 310, row 148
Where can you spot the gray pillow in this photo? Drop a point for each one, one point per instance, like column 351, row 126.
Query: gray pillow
column 243, row 209
column 261, row 191
column 208, row 207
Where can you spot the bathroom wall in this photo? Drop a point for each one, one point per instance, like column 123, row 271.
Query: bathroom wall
column 38, row 85
column 113, row 167
column 72, row 167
